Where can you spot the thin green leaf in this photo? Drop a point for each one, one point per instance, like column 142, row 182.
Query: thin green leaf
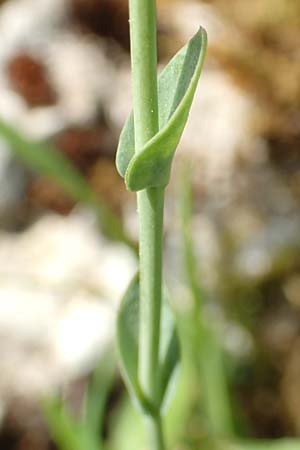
column 97, row 393
column 47, row 161
column 151, row 165
column 127, row 342
column 62, row 426
column 189, row 258
column 206, row 354
column 66, row 431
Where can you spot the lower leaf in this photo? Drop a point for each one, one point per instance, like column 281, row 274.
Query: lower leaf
column 127, row 343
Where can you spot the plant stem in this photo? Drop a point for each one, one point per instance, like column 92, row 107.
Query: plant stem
column 150, row 207
column 150, row 203
column 154, row 427
column 144, row 69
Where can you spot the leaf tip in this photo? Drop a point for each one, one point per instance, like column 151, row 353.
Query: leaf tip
column 204, row 38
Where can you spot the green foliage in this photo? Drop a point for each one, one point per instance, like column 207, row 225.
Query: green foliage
column 67, row 432
column 259, row 444
column 45, row 160
column 126, row 420
column 151, row 165
column 205, row 351
column 96, row 395
column 128, row 347
column 189, row 260
column 147, row 340
column 86, row 432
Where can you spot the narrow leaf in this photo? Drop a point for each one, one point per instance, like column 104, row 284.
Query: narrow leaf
column 63, row 428
column 97, row 393
column 67, row 432
column 206, row 355
column 47, row 161
column 151, row 165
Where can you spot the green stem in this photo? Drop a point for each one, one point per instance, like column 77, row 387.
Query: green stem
column 144, row 69
column 154, row 427
column 150, row 203
column 150, row 207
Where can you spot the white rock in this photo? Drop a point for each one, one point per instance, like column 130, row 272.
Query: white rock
column 187, row 16
column 24, row 21
column 82, row 76
column 60, row 283
column 219, row 127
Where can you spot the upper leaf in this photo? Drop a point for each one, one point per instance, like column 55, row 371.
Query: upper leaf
column 151, row 165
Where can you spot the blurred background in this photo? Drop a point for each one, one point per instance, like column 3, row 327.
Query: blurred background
column 68, row 227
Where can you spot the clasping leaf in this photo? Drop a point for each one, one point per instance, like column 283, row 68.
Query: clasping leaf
column 151, row 165
column 127, row 342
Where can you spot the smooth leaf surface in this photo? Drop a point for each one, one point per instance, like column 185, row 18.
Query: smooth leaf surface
column 127, row 342
column 96, row 395
column 126, row 146
column 151, row 165
column 47, row 161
